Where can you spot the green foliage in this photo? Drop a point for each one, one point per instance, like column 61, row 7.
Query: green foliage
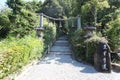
column 17, row 52
column 91, row 45
column 76, row 39
column 68, row 6
column 107, row 15
column 92, row 8
column 114, row 3
column 23, row 24
column 15, row 5
column 33, row 6
column 49, row 32
column 113, row 33
column 14, row 53
column 4, row 25
column 52, row 8
column 22, row 21
column 84, row 49
column 4, row 20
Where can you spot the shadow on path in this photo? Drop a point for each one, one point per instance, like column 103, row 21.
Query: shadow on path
column 66, row 59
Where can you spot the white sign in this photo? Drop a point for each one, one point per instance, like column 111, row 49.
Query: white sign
column 104, row 66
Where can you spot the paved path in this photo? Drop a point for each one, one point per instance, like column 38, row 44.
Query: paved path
column 59, row 65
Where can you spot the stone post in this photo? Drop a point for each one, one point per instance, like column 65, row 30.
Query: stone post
column 78, row 22
column 40, row 28
column 41, row 20
column 102, row 59
column 73, row 24
column 60, row 24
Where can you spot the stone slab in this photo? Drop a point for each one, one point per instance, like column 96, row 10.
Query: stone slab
column 60, row 48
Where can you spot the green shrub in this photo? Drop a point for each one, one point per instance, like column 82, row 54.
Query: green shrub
column 91, row 45
column 113, row 34
column 17, row 52
column 24, row 23
column 77, row 41
column 4, row 25
column 83, row 48
column 49, row 32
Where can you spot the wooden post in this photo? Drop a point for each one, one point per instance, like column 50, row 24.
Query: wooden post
column 79, row 22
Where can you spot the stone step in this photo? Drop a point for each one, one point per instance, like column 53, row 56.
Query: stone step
column 60, row 48
column 62, row 42
column 61, row 53
column 62, row 38
column 59, row 44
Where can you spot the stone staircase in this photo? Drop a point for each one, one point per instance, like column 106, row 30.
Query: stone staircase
column 61, row 46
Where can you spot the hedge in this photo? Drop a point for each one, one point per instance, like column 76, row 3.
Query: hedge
column 49, row 32
column 15, row 53
column 83, row 48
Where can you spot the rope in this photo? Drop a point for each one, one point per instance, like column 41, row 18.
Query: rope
column 59, row 19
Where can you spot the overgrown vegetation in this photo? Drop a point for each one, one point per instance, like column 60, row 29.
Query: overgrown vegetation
column 18, row 41
column 15, row 53
column 113, row 34
column 83, row 48
column 49, row 32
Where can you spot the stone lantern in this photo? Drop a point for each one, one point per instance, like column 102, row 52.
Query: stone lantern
column 39, row 31
column 89, row 31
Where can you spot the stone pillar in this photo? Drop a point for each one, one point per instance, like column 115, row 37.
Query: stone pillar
column 60, row 25
column 73, row 24
column 41, row 20
column 78, row 22
column 102, row 59
column 40, row 28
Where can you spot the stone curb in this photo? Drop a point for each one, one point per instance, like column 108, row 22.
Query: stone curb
column 115, row 67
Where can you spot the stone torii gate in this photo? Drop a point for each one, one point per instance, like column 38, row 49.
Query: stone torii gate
column 40, row 29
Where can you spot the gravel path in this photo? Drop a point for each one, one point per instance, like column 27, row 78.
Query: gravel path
column 62, row 67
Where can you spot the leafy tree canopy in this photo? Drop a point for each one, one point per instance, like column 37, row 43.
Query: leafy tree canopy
column 52, row 8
